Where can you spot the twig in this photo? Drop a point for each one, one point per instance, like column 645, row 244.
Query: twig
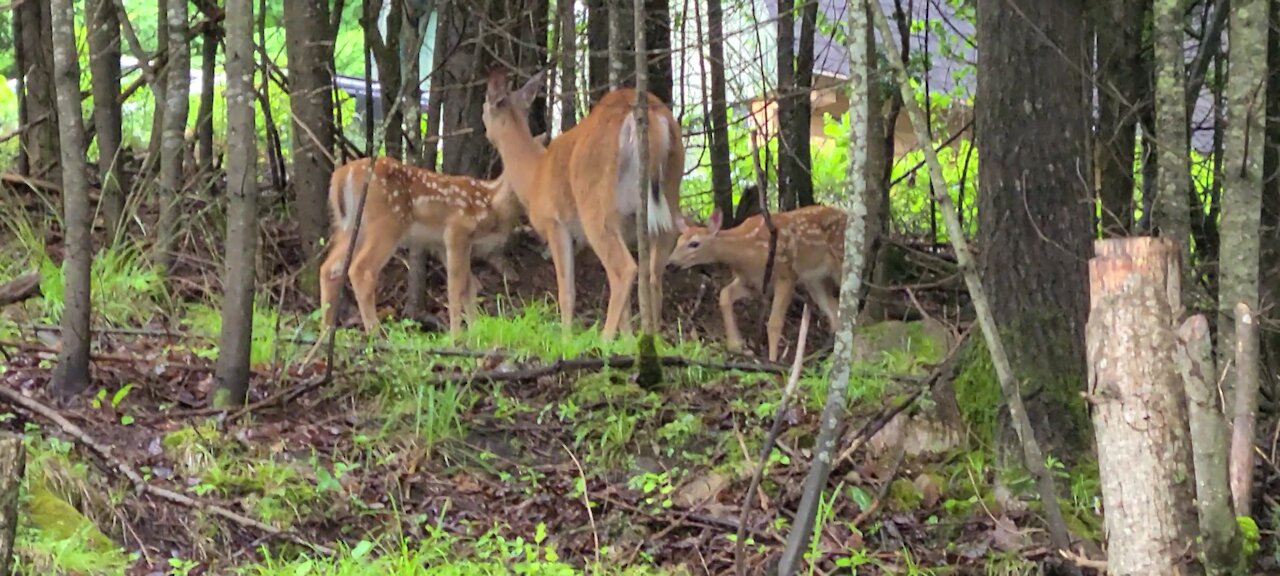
column 20, row 289
column 796, row 367
column 140, row 485
column 586, row 501
column 101, row 357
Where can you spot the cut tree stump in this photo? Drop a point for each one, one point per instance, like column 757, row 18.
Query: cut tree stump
column 13, row 463
column 1140, row 408
column 19, row 289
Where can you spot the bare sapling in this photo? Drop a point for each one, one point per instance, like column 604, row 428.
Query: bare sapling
column 810, row 252
column 457, row 218
column 585, row 183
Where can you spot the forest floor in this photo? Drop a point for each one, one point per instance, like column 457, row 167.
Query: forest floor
column 421, row 455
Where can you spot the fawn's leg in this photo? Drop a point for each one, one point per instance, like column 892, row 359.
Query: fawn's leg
column 371, row 256
column 730, row 294
column 457, row 245
column 783, row 288
column 827, row 303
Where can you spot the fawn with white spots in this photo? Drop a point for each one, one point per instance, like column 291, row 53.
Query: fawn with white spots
column 455, row 217
column 586, row 182
column 810, row 251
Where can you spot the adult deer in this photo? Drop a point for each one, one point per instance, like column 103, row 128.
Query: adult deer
column 810, row 251
column 455, row 217
column 586, row 183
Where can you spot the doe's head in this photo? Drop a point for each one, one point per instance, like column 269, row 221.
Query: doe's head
column 692, row 246
column 504, row 109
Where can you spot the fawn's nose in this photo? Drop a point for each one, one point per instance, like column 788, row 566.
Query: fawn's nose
column 672, row 266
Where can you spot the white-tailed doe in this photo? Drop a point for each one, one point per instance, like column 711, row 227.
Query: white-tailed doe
column 810, row 251
column 586, row 183
column 455, row 217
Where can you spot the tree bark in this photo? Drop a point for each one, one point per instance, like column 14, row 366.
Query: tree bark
column 465, row 150
column 209, row 38
column 310, row 51
column 824, row 451
column 1245, row 414
column 34, row 56
column 386, row 54
column 1173, row 214
column 1209, row 445
column 1119, row 28
column 657, row 41
column 597, row 50
column 1034, row 210
column 1239, row 256
column 161, row 86
column 412, row 31
column 104, row 66
column 795, row 162
column 1140, row 409
column 13, row 465
column 236, row 339
column 718, row 135
column 568, row 65
column 71, row 376
column 784, row 89
column 173, row 147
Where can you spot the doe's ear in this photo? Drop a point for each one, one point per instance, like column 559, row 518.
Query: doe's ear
column 497, row 87
column 531, row 88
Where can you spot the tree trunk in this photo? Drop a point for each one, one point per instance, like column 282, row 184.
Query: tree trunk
column 13, row 464
column 1173, row 215
column 568, row 65
column 597, row 50
column 104, row 66
column 657, row 41
column 1119, row 28
column 386, row 54
column 34, row 55
column 236, row 339
column 161, row 86
column 1244, row 423
column 784, row 91
column 209, row 38
column 462, row 92
column 1140, row 409
column 1209, row 445
column 1270, row 281
column 72, row 373
column 310, row 52
column 1239, row 257
column 174, row 139
column 718, row 135
column 824, row 451
column 1034, row 212
column 412, row 33
column 795, row 162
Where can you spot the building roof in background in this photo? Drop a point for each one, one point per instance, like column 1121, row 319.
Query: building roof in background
column 951, row 64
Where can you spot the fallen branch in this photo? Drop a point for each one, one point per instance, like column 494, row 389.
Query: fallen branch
column 740, row 549
column 20, row 289
column 140, row 485
column 102, row 357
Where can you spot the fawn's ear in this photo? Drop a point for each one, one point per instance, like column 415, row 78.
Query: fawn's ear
column 717, row 218
column 682, row 223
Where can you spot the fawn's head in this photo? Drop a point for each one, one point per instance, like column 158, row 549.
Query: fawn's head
column 505, row 111
column 692, row 246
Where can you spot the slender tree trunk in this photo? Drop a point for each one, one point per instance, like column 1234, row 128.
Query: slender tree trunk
column 310, row 52
column 386, row 54
column 71, row 376
column 34, row 47
column 1173, row 215
column 462, row 94
column 657, row 38
column 162, row 84
column 1209, row 445
column 597, row 50
column 824, row 451
column 236, row 340
column 721, row 170
column 1119, row 28
column 209, row 38
column 412, row 32
column 1270, row 288
column 1239, row 258
column 795, row 161
column 1146, row 471
column 784, row 92
column 175, row 126
column 1033, row 217
column 568, row 65
column 104, row 64
column 617, row 65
